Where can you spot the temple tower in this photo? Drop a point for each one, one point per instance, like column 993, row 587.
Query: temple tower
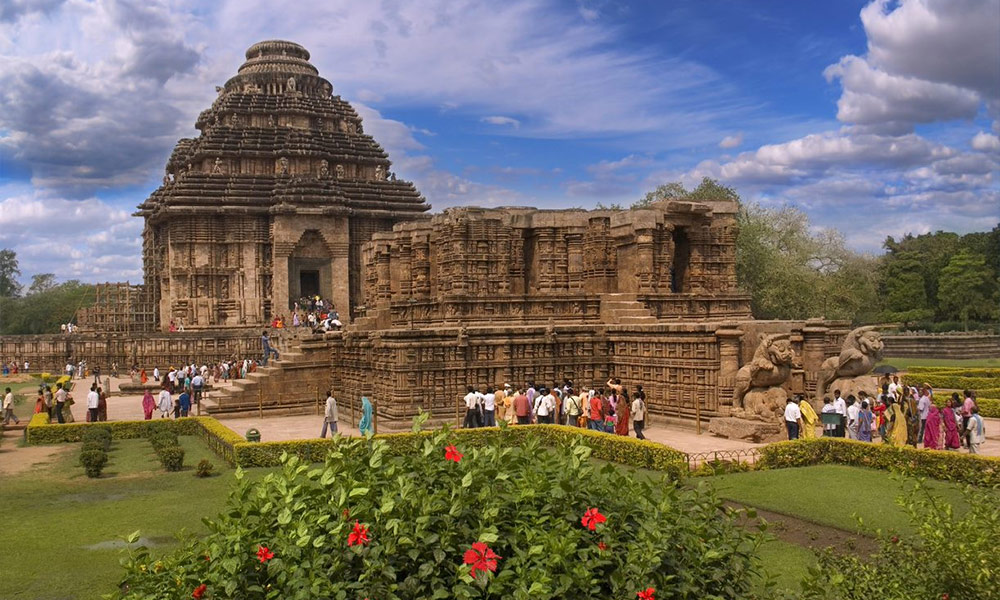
column 273, row 200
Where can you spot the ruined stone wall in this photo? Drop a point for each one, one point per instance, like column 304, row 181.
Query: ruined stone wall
column 949, row 346
column 50, row 353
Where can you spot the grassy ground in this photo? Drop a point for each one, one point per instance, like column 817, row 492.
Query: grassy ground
column 972, row 363
column 786, row 563
column 830, row 495
column 63, row 529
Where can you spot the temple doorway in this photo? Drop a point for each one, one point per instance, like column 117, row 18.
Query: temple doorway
column 309, row 282
column 309, row 269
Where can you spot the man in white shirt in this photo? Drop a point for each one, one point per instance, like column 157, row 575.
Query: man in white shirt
column 976, row 431
column 489, row 408
column 330, row 414
column 8, row 408
column 923, row 407
column 197, row 385
column 165, row 403
column 545, row 405
column 93, row 403
column 639, row 413
column 793, row 419
column 60, row 399
column 840, row 407
column 471, row 410
column 853, row 412
column 894, row 387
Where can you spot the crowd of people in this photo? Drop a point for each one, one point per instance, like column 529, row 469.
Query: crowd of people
column 317, row 314
column 13, row 367
column 610, row 408
column 899, row 415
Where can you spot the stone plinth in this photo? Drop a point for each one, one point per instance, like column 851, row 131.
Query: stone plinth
column 745, row 429
column 765, row 404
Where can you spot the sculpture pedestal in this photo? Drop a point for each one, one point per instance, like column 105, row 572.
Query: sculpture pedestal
column 850, row 386
column 745, row 429
column 765, row 404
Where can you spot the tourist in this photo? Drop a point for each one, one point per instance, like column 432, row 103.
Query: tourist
column 912, row 415
column 865, row 421
column 894, row 388
column 183, row 404
column 967, row 405
column 881, row 420
column 852, row 417
column 148, row 405
column 545, row 406
column 522, row 407
column 67, row 410
column 793, row 418
column 499, row 396
column 897, row 433
column 622, row 414
column 471, row 409
column 330, row 415
column 265, row 343
column 198, row 385
column 809, row 418
column 489, row 408
column 596, row 416
column 951, row 419
column 156, row 374
column 102, row 405
column 639, row 412
column 508, row 404
column 574, row 409
column 923, row 407
column 60, row 399
column 840, row 407
column 8, row 408
column 829, row 429
column 40, row 402
column 932, row 429
column 366, row 425
column 166, row 403
column 93, row 404
column 976, row 431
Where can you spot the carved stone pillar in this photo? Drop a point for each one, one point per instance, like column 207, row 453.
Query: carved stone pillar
column 728, row 337
column 813, row 353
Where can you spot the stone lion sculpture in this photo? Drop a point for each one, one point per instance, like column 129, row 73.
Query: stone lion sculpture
column 770, row 368
column 861, row 350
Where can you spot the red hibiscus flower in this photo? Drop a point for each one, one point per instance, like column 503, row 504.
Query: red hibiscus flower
column 602, row 546
column 592, row 518
column 481, row 557
column 264, row 554
column 647, row 595
column 359, row 535
column 452, row 453
column 199, row 591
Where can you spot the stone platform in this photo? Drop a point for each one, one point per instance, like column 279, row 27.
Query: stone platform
column 734, row 428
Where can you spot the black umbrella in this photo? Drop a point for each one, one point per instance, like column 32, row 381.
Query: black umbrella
column 885, row 370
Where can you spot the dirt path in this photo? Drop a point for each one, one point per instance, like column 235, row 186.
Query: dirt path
column 812, row 535
column 16, row 459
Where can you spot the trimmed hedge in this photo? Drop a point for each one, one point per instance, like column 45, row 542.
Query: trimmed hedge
column 956, row 371
column 950, row 381
column 988, row 407
column 937, row 464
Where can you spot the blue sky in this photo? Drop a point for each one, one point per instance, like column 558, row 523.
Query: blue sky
column 876, row 118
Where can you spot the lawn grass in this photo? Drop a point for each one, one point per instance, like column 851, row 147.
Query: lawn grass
column 971, row 363
column 786, row 563
column 830, row 495
column 62, row 527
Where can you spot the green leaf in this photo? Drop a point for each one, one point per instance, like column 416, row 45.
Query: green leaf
column 467, row 480
column 359, row 491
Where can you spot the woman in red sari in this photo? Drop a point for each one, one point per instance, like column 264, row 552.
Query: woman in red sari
column 622, row 414
column 932, row 431
column 951, row 438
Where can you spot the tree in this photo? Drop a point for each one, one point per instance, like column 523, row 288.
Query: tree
column 44, row 311
column 967, row 288
column 41, row 283
column 9, row 271
column 904, row 289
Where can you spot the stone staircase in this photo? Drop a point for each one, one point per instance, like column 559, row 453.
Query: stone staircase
column 624, row 309
column 295, row 384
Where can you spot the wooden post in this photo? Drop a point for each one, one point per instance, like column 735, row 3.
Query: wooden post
column 316, row 393
column 260, row 402
column 697, row 415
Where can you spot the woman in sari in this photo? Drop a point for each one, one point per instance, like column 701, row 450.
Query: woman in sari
column 622, row 415
column 912, row 416
column 932, row 430
column 143, row 378
column 148, row 405
column 879, row 409
column 951, row 438
column 865, row 421
column 68, row 410
column 365, row 425
column 40, row 402
column 897, row 437
column 809, row 418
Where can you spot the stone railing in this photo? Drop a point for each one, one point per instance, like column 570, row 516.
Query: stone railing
column 520, row 309
column 684, row 306
column 948, row 345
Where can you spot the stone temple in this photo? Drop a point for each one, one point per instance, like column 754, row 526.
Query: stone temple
column 283, row 195
column 272, row 202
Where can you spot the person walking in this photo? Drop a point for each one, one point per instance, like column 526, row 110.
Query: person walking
column 60, row 403
column 853, row 409
column 265, row 343
column 840, row 407
column 595, row 417
column 93, row 404
column 522, row 408
column 932, row 429
column 574, row 409
column 793, row 418
column 639, row 413
column 148, row 405
column 183, row 404
column 329, row 415
column 489, row 408
column 102, row 405
column 809, row 418
column 366, row 425
column 924, row 408
column 8, row 408
column 976, row 431
column 166, row 403
column 865, row 421
column 471, row 409
column 545, row 406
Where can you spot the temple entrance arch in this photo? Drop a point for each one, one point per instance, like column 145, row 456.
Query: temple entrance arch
column 310, row 268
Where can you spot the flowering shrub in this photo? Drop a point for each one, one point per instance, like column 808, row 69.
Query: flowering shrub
column 502, row 521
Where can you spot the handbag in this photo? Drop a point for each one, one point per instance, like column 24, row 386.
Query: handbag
column 581, row 421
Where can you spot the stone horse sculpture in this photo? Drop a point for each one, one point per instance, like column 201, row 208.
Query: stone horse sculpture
column 861, row 350
column 758, row 383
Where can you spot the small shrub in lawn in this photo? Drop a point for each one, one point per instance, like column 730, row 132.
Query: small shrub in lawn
column 93, row 462
column 204, row 468
column 93, row 445
column 490, row 520
column 172, row 458
column 163, row 439
column 98, row 435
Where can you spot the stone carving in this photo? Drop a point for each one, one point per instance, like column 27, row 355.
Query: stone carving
column 234, row 120
column 342, row 125
column 290, row 84
column 217, row 167
column 340, row 171
column 758, row 384
column 379, row 173
column 282, row 166
column 270, row 120
column 324, row 169
column 862, row 348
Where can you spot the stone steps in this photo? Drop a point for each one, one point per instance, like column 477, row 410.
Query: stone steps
column 624, row 309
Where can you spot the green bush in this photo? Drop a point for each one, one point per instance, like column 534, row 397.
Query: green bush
column 93, row 461
column 97, row 435
column 204, row 468
column 922, row 565
column 162, row 439
column 525, row 501
column 937, row 464
column 171, row 457
column 948, row 381
column 94, row 445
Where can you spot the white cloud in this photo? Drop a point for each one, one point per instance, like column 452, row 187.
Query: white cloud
column 731, row 141
column 500, row 120
column 986, row 142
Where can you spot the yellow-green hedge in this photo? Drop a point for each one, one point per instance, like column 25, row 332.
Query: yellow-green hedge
column 937, row 464
column 939, row 379
column 956, row 371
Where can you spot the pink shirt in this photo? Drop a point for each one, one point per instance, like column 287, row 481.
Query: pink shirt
column 967, row 407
